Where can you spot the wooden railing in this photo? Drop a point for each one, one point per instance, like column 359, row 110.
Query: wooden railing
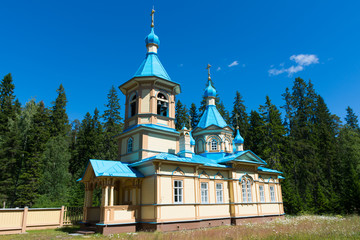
column 73, row 215
column 119, row 214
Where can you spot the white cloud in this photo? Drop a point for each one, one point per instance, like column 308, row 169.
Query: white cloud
column 218, row 69
column 301, row 60
column 305, row 59
column 234, row 63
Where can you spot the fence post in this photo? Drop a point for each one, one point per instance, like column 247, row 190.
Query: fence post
column 62, row 216
column 23, row 225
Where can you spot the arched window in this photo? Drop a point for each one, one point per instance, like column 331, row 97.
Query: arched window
column 227, row 145
column 130, row 145
column 243, row 190
column 249, row 191
column 132, row 105
column 246, row 190
column 213, row 145
column 200, row 146
column 162, row 105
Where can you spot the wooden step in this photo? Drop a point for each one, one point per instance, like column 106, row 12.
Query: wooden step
column 85, row 232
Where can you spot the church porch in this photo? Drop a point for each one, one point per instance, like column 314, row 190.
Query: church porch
column 117, row 210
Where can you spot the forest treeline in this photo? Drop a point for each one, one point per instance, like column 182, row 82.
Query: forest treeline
column 42, row 154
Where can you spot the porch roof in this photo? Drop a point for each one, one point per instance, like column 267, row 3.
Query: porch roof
column 108, row 168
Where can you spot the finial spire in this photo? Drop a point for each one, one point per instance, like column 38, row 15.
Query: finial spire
column 237, row 120
column 152, row 17
column 208, row 68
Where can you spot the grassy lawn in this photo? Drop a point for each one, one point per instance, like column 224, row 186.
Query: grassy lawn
column 299, row 227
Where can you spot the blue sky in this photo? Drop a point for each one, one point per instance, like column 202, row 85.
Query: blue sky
column 255, row 47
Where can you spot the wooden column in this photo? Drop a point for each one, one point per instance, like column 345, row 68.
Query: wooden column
column 112, row 195
column 106, row 199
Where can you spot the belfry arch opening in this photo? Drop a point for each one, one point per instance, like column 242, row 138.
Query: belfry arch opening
column 162, row 105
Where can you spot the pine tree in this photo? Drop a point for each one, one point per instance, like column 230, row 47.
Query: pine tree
column 59, row 118
column 351, row 118
column 194, row 116
column 239, row 117
column 112, row 124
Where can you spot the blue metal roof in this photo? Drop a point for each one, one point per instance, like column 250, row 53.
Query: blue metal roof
column 151, row 66
column 154, row 126
column 105, row 168
column 235, row 157
column 263, row 169
column 210, row 117
column 171, row 157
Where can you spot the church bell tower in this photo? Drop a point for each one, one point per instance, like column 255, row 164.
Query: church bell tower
column 149, row 107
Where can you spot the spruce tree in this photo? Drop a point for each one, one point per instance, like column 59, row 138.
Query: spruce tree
column 37, row 136
column 181, row 116
column 239, row 117
column 112, row 124
column 10, row 146
column 348, row 171
column 55, row 179
column 59, row 118
column 194, row 116
column 254, row 140
column 7, row 102
column 351, row 118
column 274, row 132
column 223, row 112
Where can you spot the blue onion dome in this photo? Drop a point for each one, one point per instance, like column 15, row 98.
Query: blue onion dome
column 210, row 91
column 184, row 128
column 152, row 38
column 192, row 140
column 238, row 139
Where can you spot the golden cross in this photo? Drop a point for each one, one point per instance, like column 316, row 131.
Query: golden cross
column 152, row 17
column 208, row 68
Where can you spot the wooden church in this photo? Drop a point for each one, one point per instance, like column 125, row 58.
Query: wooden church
column 169, row 180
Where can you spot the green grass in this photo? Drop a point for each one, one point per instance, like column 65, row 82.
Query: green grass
column 292, row 227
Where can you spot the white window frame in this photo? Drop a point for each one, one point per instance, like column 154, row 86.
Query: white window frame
column 272, row 194
column 130, row 144
column 214, row 144
column 262, row 193
column 178, row 193
column 219, row 193
column 248, row 189
column 204, row 186
column 243, row 189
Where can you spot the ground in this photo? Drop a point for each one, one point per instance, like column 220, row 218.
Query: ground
column 292, row 227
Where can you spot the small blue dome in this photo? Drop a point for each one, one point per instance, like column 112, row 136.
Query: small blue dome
column 152, row 38
column 238, row 139
column 210, row 91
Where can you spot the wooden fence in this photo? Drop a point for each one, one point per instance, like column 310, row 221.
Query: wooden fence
column 19, row 220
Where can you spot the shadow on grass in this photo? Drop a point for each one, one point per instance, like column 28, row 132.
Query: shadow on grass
column 69, row 229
